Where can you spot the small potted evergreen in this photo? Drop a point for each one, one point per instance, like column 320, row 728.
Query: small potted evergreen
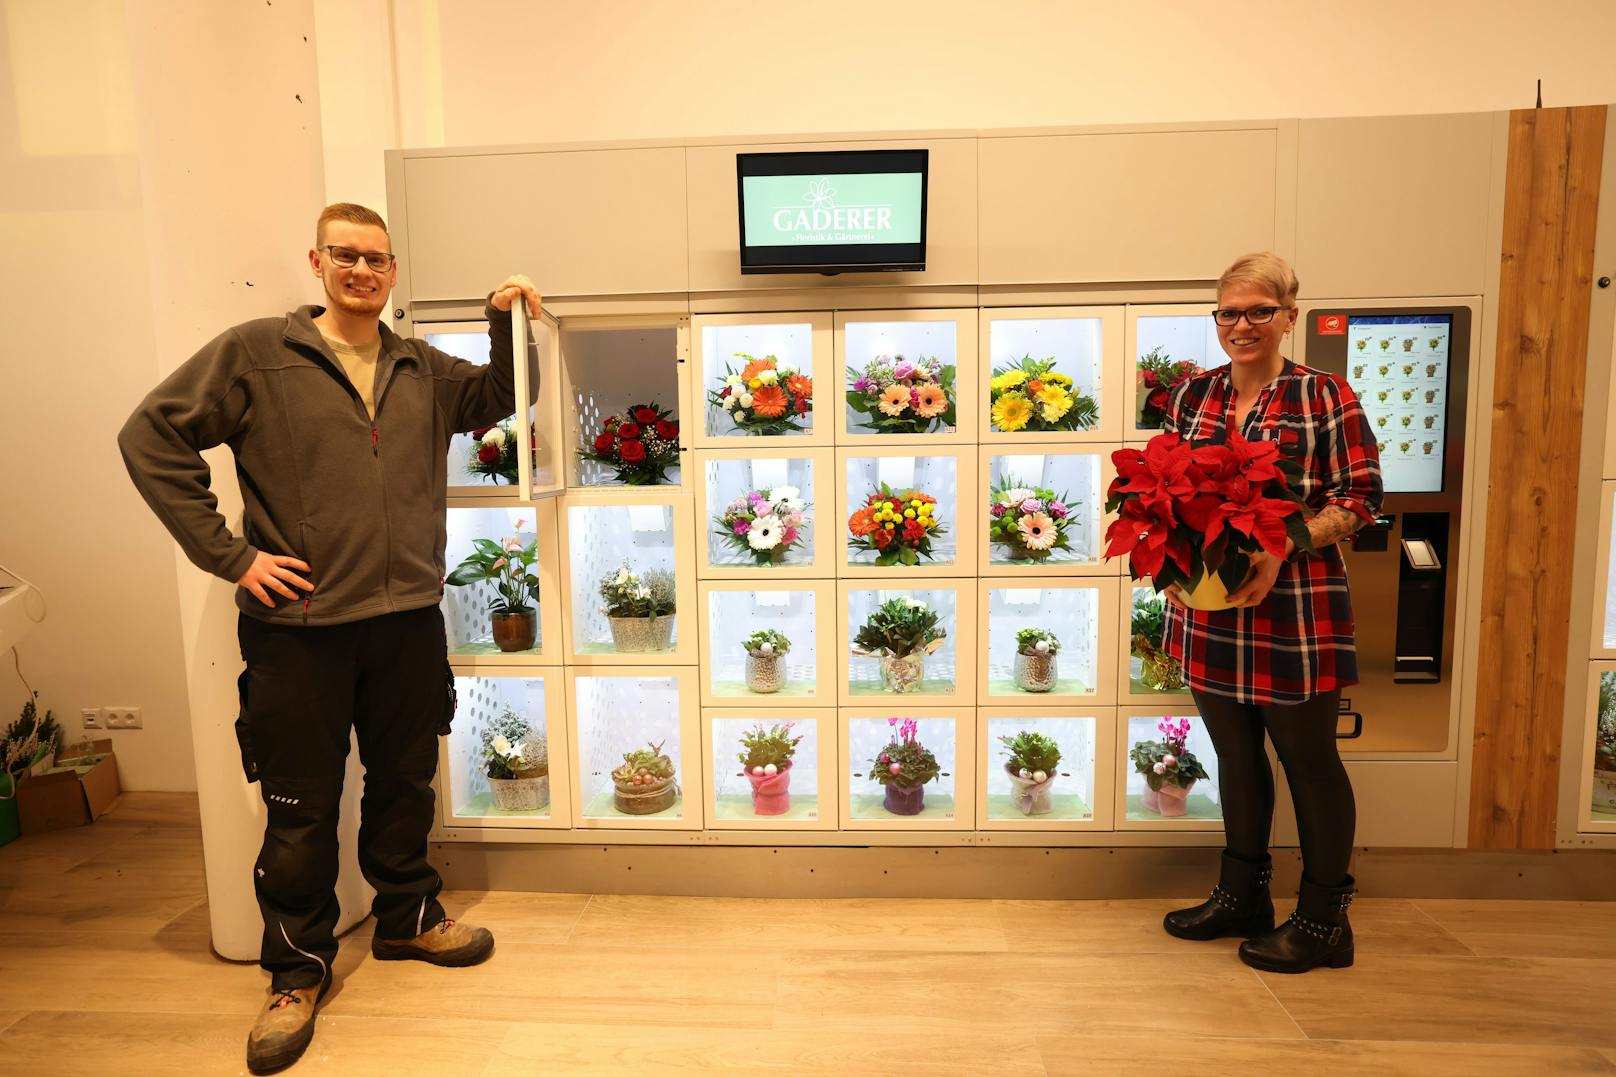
column 900, row 632
column 766, row 756
column 1036, row 670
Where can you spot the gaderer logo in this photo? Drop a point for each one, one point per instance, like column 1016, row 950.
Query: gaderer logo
column 820, row 214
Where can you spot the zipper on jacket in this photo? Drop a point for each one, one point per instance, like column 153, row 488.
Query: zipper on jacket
column 305, row 609
column 375, row 441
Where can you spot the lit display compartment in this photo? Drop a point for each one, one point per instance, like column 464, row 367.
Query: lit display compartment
column 624, row 401
column 1052, row 374
column 501, row 601
column 485, row 465
column 1170, row 343
column 1044, row 510
column 899, row 512
column 1039, row 772
column 504, row 762
column 771, row 771
column 1049, row 644
column 1183, row 793
column 908, row 769
column 1605, row 596
column 909, row 375
column 1148, row 674
column 763, row 376
column 907, row 642
column 762, row 515
column 629, row 598
column 767, row 644
column 1599, row 785
column 639, row 750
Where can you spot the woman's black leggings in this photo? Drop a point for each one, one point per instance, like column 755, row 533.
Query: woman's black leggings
column 1304, row 739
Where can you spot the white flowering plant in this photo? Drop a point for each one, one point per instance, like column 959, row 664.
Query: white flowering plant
column 631, row 595
column 1168, row 761
column 512, row 745
column 764, row 525
column 508, row 564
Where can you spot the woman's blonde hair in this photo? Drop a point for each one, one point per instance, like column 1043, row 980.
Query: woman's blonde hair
column 1266, row 270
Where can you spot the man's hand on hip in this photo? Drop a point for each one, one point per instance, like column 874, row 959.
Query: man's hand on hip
column 272, row 572
column 514, row 286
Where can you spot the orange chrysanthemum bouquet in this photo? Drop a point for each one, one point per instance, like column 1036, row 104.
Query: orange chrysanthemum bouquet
column 765, row 396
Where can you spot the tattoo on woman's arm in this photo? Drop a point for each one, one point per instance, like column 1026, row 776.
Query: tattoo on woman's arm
column 1332, row 524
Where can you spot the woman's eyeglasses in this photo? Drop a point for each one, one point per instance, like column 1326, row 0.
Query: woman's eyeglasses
column 347, row 258
column 1253, row 316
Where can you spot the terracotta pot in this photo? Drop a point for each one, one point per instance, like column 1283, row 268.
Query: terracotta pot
column 904, row 799
column 903, row 675
column 1169, row 800
column 765, row 673
column 641, row 633
column 520, row 794
column 1035, row 672
column 771, row 793
column 516, row 631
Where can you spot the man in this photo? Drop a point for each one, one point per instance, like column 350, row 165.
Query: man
column 341, row 432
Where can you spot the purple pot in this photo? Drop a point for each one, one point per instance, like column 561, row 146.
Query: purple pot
column 904, row 799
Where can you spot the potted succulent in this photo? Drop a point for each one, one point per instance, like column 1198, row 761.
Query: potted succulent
column 1030, row 395
column 764, row 525
column 508, row 565
column 639, row 609
column 766, row 756
column 765, row 670
column 1605, row 745
column 1169, row 768
column 517, row 758
column 1031, row 766
column 1036, row 669
column 1031, row 522
column 903, row 768
column 1158, row 670
column 644, row 784
column 900, row 632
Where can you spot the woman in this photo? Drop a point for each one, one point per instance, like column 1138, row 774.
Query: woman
column 1276, row 664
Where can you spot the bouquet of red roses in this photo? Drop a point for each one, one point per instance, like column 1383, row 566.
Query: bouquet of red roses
column 1186, row 511
column 639, row 447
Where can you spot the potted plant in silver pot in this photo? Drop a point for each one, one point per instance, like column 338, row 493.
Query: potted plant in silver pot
column 1036, row 669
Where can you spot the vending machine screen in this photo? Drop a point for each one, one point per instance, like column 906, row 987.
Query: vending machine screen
column 1398, row 366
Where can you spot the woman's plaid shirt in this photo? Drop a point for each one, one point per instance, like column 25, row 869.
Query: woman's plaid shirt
column 1297, row 642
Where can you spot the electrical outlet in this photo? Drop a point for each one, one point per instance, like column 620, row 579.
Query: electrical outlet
column 123, row 718
column 90, row 718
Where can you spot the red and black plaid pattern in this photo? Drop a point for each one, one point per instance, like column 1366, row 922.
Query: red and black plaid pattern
column 1298, row 642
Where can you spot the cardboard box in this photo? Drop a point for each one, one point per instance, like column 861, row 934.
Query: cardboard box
column 78, row 790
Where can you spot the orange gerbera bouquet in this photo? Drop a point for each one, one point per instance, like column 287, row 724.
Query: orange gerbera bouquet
column 897, row 528
column 899, row 396
column 765, row 396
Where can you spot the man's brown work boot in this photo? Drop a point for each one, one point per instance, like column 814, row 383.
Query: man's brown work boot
column 449, row 943
column 284, row 1028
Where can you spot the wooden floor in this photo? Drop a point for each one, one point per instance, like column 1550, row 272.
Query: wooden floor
column 105, row 969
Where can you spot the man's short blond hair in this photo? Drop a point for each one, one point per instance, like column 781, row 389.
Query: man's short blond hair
column 1263, row 269
column 349, row 212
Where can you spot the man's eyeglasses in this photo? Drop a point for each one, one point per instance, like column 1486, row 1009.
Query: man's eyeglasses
column 1254, row 316
column 347, row 258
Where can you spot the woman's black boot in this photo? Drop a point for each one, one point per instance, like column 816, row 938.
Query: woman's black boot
column 1316, row 934
column 1239, row 905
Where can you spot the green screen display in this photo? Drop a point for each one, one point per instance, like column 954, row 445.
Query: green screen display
column 811, row 211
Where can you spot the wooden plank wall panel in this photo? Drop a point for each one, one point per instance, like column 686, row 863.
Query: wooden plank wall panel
column 1551, row 203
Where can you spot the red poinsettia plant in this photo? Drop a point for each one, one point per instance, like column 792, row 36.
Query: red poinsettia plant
column 1186, row 510
column 639, row 446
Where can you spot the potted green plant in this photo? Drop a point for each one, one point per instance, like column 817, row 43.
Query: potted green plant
column 765, row 667
column 903, row 768
column 508, row 565
column 517, row 758
column 1169, row 768
column 1031, row 765
column 639, row 609
column 766, row 756
column 1158, row 670
column 900, row 632
column 1605, row 745
column 644, row 784
column 1036, row 670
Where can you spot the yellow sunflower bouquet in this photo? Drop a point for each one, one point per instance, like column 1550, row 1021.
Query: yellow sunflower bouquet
column 1031, row 395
